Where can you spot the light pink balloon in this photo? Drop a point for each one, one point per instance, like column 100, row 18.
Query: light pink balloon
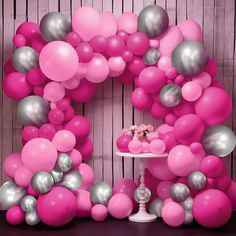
column 164, row 63
column 86, row 23
column 84, row 204
column 169, row 40
column 99, row 212
column 53, row 91
column 157, row 146
column 12, row 163
column 97, row 69
column 191, row 30
column 58, row 60
column 140, row 99
column 135, row 146
column 72, row 83
column 87, row 176
column 191, row 91
column 108, row 25
column 23, row 176
column 164, row 128
column 116, row 65
column 128, row 22
column 163, row 189
column 76, row 157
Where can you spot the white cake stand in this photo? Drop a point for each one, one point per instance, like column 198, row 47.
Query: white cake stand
column 142, row 215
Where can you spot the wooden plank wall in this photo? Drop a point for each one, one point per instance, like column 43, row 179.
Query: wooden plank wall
column 111, row 110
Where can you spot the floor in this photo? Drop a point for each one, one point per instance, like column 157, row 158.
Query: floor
column 114, row 227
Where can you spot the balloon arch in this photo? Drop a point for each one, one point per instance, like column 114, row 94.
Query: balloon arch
column 58, row 62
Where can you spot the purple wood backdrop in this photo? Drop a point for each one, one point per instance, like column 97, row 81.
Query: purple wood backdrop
column 110, row 110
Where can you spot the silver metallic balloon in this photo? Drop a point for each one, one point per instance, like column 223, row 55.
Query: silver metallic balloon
column 28, row 203
column 63, row 163
column 156, row 207
column 57, row 176
column 33, row 110
column 32, row 218
column 170, row 95
column 42, row 182
column 101, row 193
column 152, row 56
column 153, row 20
column 137, row 194
column 179, row 192
column 188, row 218
column 24, row 59
column 54, row 26
column 189, row 58
column 11, row 194
column 197, row 180
column 218, row 140
column 187, row 204
column 72, row 180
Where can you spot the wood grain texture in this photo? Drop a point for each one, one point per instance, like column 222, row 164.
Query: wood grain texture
column 111, row 109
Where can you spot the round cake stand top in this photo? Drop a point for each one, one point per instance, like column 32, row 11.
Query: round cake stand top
column 141, row 155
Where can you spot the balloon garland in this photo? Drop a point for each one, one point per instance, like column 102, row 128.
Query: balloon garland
column 58, row 62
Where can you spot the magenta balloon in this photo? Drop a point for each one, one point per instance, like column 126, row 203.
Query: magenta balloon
column 212, row 208
column 57, row 207
column 12, row 163
column 38, row 43
column 211, row 68
column 126, row 186
column 36, row 77
column 158, row 111
column 231, row 193
column 115, row 46
column 138, row 43
column 85, row 52
column 29, row 132
column 15, row 215
column 58, row 60
column 69, row 114
column 169, row 139
column 127, row 56
column 19, row 40
column 84, row 204
column 163, row 189
column 126, row 78
column 47, row 131
column 87, row 176
column 8, row 67
column 214, row 106
column 63, row 104
column 184, row 108
column 122, row 142
column 85, row 148
column 99, row 43
column 29, row 30
column 140, row 99
column 73, row 39
column 123, row 35
column 137, row 65
column 56, row 116
column 76, row 158
column 84, row 92
column 151, row 79
column 16, row 86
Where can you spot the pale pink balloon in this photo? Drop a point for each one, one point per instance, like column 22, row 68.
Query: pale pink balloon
column 87, row 176
column 191, row 91
column 204, row 79
column 12, row 163
column 108, row 24
column 135, row 146
column 97, row 69
column 164, row 63
column 116, row 65
column 163, row 189
column 76, row 157
column 154, row 43
column 84, row 204
column 53, row 91
column 128, row 22
column 157, row 146
column 191, row 30
column 169, row 40
column 72, row 83
column 164, row 128
column 86, row 23
column 145, row 147
column 99, row 212
column 58, row 60
column 23, row 176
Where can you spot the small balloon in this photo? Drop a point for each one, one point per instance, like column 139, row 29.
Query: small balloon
column 197, row 180
column 187, row 204
column 138, row 194
column 28, row 203
column 156, row 207
column 179, row 192
column 57, row 176
column 188, row 218
column 72, row 180
column 152, row 56
column 101, row 192
column 32, row 218
column 64, row 163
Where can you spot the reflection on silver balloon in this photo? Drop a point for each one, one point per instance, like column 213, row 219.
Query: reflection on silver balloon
column 156, row 207
column 187, row 204
column 57, row 176
column 54, row 26
column 137, row 194
column 218, row 140
column 188, row 218
column 72, row 180
column 197, row 180
column 153, row 20
column 179, row 192
column 11, row 194
column 189, row 58
column 101, row 193
column 33, row 110
column 28, row 203
column 42, row 182
column 63, row 163
column 170, row 95
column 32, row 218
column 24, row 59
column 152, row 56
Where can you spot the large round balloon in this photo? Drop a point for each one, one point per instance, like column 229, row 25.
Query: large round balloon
column 58, row 60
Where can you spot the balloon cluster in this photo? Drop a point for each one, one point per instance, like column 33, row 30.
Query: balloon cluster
column 59, row 62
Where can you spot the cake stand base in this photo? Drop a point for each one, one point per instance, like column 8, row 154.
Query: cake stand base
column 142, row 217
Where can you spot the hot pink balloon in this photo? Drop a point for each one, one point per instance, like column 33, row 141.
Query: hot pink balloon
column 53, row 91
column 169, row 139
column 73, row 39
column 38, row 43
column 116, row 65
column 164, row 128
column 127, row 56
column 56, row 116
column 140, row 99
column 85, row 52
column 163, row 189
column 108, row 25
column 184, row 108
column 138, row 43
column 19, row 40
column 15, row 215
column 58, row 60
column 63, row 104
column 69, row 114
column 23, row 176
column 99, row 43
column 137, row 65
column 30, row 132
column 126, row 186
column 204, row 79
column 128, row 22
column 115, row 46
column 158, row 111
column 47, row 131
column 99, row 212
column 191, row 91
column 231, row 193
column 85, row 148
column 39, row 154
column 84, row 204
column 87, row 176
column 190, row 30
column 211, row 68
column 12, row 163
column 36, row 77
column 29, row 30
column 8, row 67
column 122, row 142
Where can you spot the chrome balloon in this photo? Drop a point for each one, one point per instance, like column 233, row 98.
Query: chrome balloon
column 28, row 203
column 170, row 95
column 187, row 204
column 197, row 180
column 57, row 176
column 153, row 20
column 24, row 59
column 156, row 207
column 54, row 26
column 189, row 58
column 42, row 182
column 218, row 140
column 11, row 194
column 137, row 194
column 63, row 163
column 188, row 218
column 179, row 192
column 33, row 110
column 101, row 193
column 72, row 180
column 32, row 218
column 152, row 56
